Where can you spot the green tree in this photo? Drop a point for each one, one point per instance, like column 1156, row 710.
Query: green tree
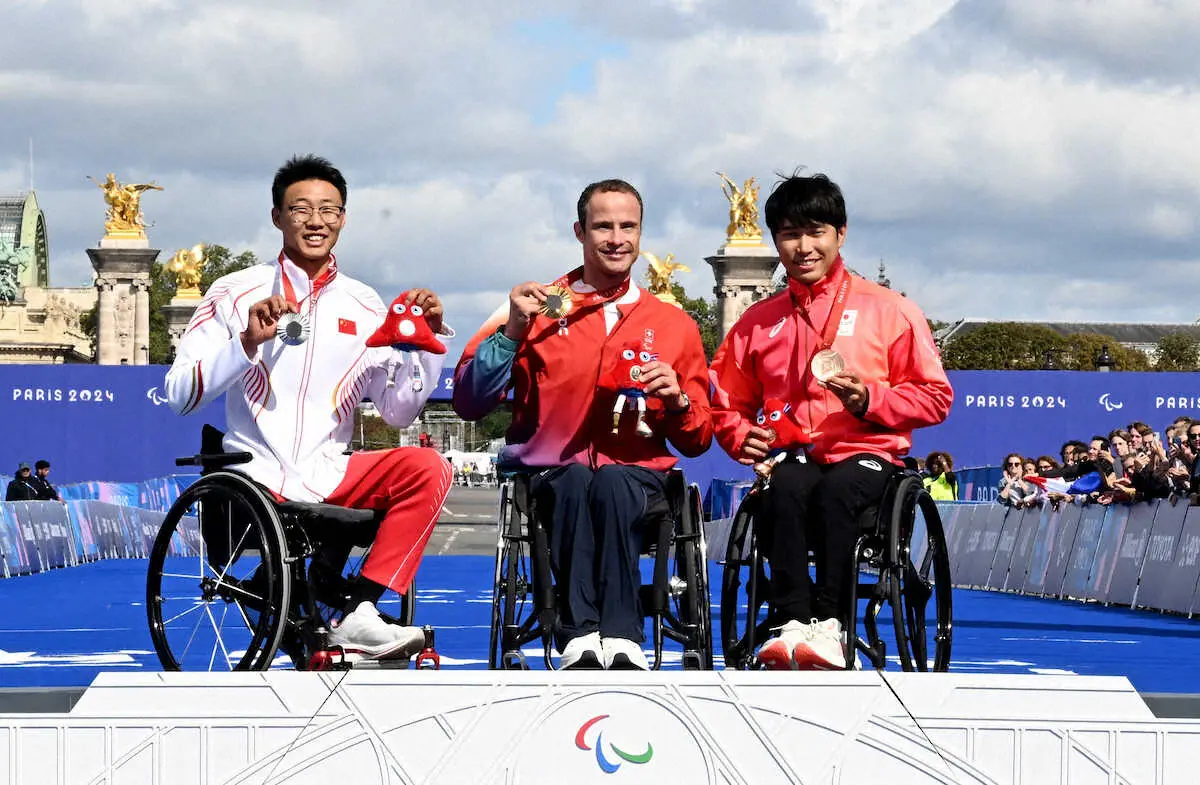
column 1177, row 352
column 1002, row 346
column 1082, row 349
column 218, row 261
column 704, row 312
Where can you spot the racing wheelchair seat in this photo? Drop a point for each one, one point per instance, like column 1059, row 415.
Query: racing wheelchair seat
column 525, row 597
column 236, row 576
column 900, row 559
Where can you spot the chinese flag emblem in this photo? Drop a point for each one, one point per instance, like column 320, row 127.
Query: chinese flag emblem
column 347, row 326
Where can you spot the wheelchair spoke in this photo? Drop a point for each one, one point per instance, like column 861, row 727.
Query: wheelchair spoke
column 181, row 614
column 182, row 576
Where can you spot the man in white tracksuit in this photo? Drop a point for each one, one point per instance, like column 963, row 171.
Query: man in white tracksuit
column 291, row 403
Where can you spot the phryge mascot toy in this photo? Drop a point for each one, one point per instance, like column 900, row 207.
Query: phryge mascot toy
column 405, row 329
column 625, row 379
column 785, row 436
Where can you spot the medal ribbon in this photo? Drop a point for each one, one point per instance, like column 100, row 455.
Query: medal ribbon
column 289, row 291
column 584, row 300
column 835, row 313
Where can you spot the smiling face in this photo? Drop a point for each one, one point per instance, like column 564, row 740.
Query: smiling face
column 308, row 235
column 611, row 238
column 807, row 252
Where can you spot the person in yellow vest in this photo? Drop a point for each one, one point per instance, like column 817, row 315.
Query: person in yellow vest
column 940, row 479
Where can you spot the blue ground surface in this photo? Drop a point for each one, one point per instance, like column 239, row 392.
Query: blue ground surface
column 61, row 628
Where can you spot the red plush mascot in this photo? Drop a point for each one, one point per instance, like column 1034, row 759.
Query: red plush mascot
column 405, row 329
column 625, row 379
column 785, row 436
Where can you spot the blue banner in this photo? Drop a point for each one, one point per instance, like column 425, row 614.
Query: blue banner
column 1034, row 412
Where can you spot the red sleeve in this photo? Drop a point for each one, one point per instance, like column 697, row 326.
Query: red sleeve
column 691, row 432
column 917, row 394
column 737, row 392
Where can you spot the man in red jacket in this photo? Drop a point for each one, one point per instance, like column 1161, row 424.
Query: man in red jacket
column 859, row 367
column 598, row 474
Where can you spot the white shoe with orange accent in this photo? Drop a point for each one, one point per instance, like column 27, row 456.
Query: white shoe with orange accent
column 821, row 647
column 776, row 653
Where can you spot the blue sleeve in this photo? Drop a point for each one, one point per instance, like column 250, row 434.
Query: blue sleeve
column 486, row 376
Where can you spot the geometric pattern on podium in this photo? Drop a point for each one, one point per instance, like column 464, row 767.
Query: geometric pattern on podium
column 515, row 727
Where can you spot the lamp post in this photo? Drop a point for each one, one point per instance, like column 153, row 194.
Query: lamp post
column 1104, row 360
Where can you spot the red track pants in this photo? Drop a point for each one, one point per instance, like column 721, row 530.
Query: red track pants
column 411, row 483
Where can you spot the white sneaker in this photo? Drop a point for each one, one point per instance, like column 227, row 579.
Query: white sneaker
column 362, row 631
column 582, row 653
column 776, row 653
column 622, row 654
column 821, row 648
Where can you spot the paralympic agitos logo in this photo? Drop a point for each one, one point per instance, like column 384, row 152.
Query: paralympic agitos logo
column 607, row 766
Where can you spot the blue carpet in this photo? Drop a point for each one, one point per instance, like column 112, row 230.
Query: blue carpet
column 63, row 627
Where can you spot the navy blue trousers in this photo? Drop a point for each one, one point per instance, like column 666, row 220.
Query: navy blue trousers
column 595, row 521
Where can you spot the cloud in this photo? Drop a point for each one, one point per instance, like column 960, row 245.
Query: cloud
column 982, row 146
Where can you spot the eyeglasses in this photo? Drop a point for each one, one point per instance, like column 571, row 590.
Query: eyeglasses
column 1194, row 435
column 330, row 214
column 1013, row 463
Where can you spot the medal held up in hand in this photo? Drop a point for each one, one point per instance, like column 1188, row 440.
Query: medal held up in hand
column 558, row 302
column 293, row 329
column 826, row 364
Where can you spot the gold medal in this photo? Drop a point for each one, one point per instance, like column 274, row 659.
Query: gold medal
column 826, row 364
column 558, row 302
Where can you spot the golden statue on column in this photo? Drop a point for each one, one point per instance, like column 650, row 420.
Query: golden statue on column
column 743, row 211
column 124, row 218
column 187, row 265
column 658, row 276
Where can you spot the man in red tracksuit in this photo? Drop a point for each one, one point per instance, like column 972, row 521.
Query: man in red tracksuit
column 859, row 367
column 555, row 346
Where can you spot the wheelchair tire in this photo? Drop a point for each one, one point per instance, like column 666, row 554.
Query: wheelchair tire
column 920, row 571
column 508, row 593
column 693, row 603
column 217, row 587
column 743, row 568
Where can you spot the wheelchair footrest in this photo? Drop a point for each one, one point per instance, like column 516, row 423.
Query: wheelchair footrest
column 337, row 659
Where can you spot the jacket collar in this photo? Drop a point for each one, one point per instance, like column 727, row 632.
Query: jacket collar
column 803, row 294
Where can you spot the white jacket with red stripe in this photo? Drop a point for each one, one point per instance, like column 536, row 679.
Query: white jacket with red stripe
column 292, row 407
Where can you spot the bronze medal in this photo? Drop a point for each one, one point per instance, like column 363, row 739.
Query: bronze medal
column 635, row 373
column 558, row 302
column 826, row 364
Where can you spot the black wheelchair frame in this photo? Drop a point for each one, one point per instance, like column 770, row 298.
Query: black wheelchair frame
column 525, row 601
column 276, row 565
column 910, row 568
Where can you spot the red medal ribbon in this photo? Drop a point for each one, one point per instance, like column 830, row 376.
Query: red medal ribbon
column 289, row 291
column 835, row 312
column 584, row 300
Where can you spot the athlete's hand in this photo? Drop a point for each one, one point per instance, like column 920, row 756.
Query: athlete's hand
column 431, row 307
column 662, row 382
column 260, row 321
column 850, row 390
column 523, row 303
column 754, row 446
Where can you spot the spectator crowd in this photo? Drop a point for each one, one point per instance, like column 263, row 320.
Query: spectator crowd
column 1128, row 464
column 29, row 485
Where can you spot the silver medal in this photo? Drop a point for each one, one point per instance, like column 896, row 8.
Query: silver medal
column 292, row 329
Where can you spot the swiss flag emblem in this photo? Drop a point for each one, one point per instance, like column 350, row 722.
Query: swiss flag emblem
column 347, row 326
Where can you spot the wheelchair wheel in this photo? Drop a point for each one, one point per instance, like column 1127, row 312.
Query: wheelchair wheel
column 693, row 605
column 217, row 588
column 740, row 635
column 510, row 584
column 920, row 571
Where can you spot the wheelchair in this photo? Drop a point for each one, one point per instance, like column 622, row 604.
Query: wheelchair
column 525, row 598
column 235, row 576
column 901, row 560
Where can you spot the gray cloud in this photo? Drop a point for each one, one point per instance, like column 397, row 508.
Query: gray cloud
column 1041, row 150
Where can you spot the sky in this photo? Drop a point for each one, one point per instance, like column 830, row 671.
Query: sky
column 1006, row 159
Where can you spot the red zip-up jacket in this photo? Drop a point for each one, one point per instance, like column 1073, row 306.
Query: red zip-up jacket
column 560, row 416
column 883, row 338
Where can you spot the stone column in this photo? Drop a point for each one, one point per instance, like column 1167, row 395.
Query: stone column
column 179, row 313
column 123, row 279
column 743, row 271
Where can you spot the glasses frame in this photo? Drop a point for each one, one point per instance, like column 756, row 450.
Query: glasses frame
column 299, row 214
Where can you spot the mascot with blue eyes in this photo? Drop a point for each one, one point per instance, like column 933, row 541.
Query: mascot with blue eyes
column 405, row 329
column 785, row 436
column 625, row 378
